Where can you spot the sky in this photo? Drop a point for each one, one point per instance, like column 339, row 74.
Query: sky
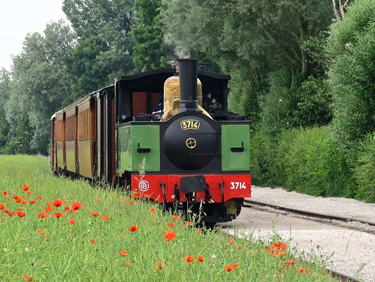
column 20, row 17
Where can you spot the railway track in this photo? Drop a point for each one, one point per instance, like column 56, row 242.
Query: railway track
column 313, row 216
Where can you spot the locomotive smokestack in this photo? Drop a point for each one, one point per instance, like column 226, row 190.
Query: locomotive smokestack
column 188, row 72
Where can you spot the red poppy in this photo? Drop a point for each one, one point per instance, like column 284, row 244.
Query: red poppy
column 171, row 225
column 25, row 187
column 175, row 217
column 76, row 206
column 15, row 197
column 20, row 209
column 67, row 209
column 43, row 215
column 228, row 268
column 291, row 262
column 95, row 214
column 27, row 278
column 24, row 202
column 133, row 228
column 71, row 221
column 188, row 223
column 58, row 215
column 5, row 192
column 123, row 253
column 189, row 258
column 18, row 200
column 153, row 210
column 128, row 264
column 40, row 198
column 10, row 213
column 57, row 203
column 28, row 193
column 105, row 218
column 21, row 214
column 169, row 235
column 98, row 200
column 200, row 258
column 130, row 202
column 93, row 241
column 159, row 265
column 2, row 207
column 32, row 202
column 302, row 269
column 48, row 209
column 236, row 264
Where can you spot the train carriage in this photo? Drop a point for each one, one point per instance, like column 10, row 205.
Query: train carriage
column 183, row 155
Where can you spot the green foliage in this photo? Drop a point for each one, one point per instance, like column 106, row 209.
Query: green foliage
column 150, row 51
column 352, row 75
column 364, row 172
column 304, row 160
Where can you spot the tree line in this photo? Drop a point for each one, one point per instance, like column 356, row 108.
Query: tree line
column 298, row 67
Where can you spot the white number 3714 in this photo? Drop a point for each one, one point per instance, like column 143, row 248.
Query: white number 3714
column 237, row 185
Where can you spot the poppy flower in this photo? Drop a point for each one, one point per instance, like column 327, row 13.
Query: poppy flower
column 76, row 206
column 197, row 232
column 188, row 223
column 159, row 265
column 40, row 198
column 18, row 200
column 228, row 268
column 67, row 209
column 58, row 215
column 105, row 218
column 48, row 209
column 24, row 202
column 43, row 215
column 5, row 192
column 129, row 202
column 175, row 217
column 10, row 213
column 153, row 210
column 42, row 233
column 32, row 202
column 2, row 207
column 200, row 258
column 189, row 258
column 20, row 209
column 28, row 193
column 171, row 225
column 291, row 262
column 21, row 214
column 93, row 241
column 98, row 200
column 15, row 197
column 236, row 264
column 133, row 228
column 128, row 264
column 71, row 221
column 95, row 214
column 25, row 187
column 169, row 235
column 27, row 278
column 302, row 269
column 57, row 203
column 123, row 253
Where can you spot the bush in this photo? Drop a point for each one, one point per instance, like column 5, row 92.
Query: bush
column 364, row 172
column 304, row 160
column 314, row 164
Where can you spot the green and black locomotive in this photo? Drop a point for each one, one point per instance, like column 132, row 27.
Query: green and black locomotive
column 183, row 153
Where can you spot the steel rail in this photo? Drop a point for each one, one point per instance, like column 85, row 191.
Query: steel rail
column 306, row 213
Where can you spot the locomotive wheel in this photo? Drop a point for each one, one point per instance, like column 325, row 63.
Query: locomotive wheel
column 233, row 206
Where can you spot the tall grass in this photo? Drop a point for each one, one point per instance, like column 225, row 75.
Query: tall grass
column 52, row 249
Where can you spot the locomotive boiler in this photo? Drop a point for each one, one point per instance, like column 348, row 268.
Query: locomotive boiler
column 182, row 156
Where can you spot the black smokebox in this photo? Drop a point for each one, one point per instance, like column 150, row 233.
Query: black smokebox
column 188, row 72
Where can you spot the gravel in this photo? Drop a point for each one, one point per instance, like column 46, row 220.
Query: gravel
column 350, row 251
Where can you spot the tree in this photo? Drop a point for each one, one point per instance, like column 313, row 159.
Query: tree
column 5, row 88
column 150, row 50
column 352, row 74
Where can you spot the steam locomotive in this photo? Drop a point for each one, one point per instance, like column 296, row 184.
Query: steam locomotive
column 182, row 155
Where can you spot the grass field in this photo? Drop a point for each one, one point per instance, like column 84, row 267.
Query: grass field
column 113, row 238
